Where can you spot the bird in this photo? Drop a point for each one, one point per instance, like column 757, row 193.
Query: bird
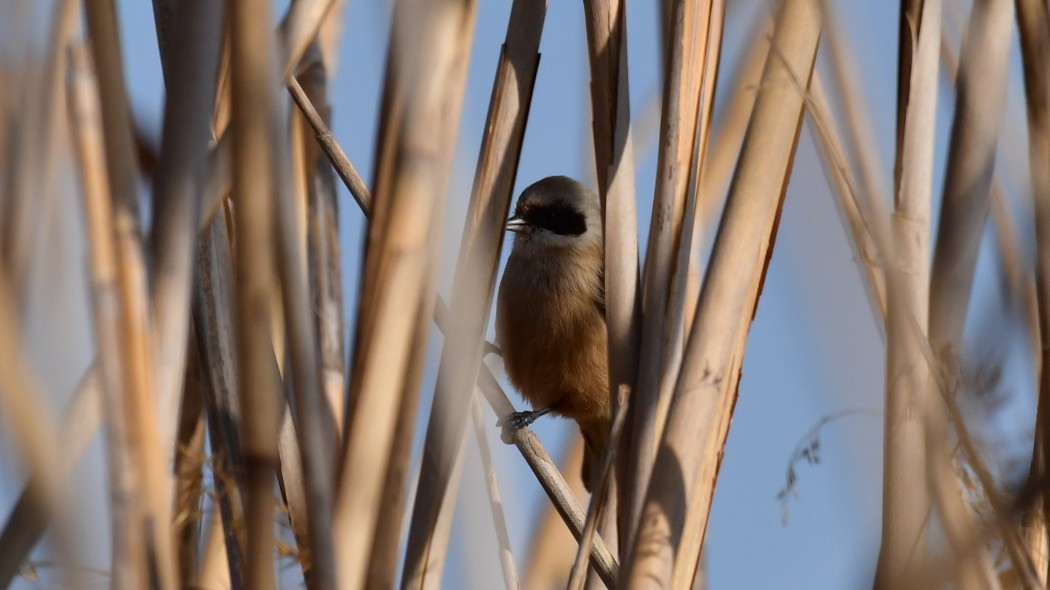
column 550, row 312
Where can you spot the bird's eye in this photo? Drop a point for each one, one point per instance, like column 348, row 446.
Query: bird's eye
column 559, row 218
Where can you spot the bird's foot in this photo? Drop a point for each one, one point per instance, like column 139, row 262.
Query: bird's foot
column 515, row 421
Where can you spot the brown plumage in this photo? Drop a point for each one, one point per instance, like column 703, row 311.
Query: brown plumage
column 550, row 315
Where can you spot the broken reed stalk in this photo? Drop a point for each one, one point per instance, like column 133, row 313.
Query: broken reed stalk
column 980, row 99
column 606, row 22
column 687, row 463
column 429, row 49
column 191, row 60
column 499, row 519
column 1033, row 21
column 906, row 503
column 666, row 269
column 254, row 190
column 475, row 278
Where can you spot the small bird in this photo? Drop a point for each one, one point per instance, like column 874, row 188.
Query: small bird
column 550, row 312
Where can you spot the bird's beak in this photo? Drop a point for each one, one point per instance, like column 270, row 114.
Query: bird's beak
column 516, row 225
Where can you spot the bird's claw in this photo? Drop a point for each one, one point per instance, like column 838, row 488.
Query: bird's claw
column 513, row 422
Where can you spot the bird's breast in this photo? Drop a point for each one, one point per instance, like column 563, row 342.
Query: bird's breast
column 553, row 336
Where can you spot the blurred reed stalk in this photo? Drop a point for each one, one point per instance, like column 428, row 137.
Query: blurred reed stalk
column 1033, row 22
column 906, row 501
column 429, row 43
column 688, row 97
column 255, row 186
column 666, row 549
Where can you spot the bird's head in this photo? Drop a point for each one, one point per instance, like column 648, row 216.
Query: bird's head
column 556, row 212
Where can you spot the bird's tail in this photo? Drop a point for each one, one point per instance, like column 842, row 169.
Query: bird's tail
column 595, row 435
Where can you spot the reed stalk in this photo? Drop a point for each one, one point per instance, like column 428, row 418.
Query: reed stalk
column 906, row 502
column 1033, row 21
column 686, row 468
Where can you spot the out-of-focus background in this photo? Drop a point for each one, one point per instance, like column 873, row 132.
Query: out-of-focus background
column 813, row 374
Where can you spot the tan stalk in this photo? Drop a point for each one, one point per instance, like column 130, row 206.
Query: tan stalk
column 315, row 428
column 719, row 160
column 475, row 278
column 423, row 92
column 254, row 191
column 675, row 513
column 387, row 541
column 129, row 565
column 1033, row 20
column 191, row 43
column 905, row 503
column 980, row 100
column 145, row 538
column 614, row 166
column 116, row 116
column 666, row 269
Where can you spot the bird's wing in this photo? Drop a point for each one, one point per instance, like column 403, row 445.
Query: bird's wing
column 599, row 300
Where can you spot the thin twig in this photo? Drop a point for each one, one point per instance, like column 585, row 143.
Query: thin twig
column 347, row 173
column 506, row 556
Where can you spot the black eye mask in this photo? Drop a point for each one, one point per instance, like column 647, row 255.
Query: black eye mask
column 560, row 218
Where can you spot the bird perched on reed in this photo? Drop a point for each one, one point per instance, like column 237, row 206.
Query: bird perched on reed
column 550, row 313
